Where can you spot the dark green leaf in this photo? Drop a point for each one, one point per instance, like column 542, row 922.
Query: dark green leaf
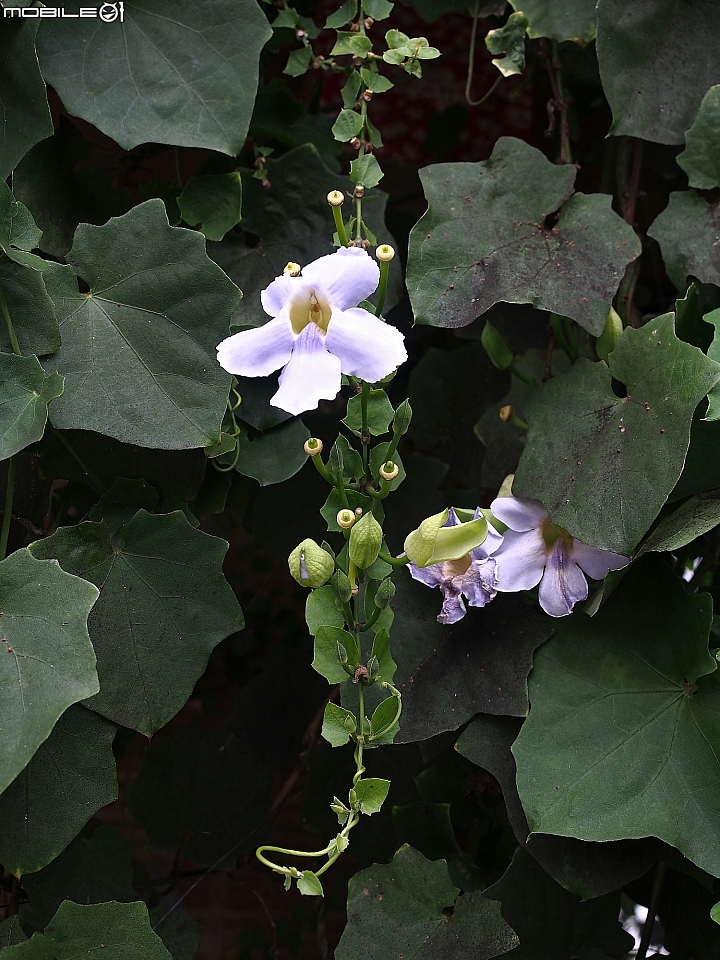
column 588, row 870
column 377, row 9
column 294, row 222
column 366, row 170
column 163, row 608
column 173, row 73
column 624, row 721
column 686, row 231
column 71, row 775
column 382, row 725
column 381, row 650
column 694, row 518
column 18, row 231
column 508, row 40
column 26, row 395
column 138, row 351
column 654, row 64
column 39, row 947
column 274, row 455
column 403, row 907
column 179, row 932
column 379, row 413
column 201, row 788
column 114, row 931
column 321, row 611
column 256, row 408
column 31, row 310
column 348, row 125
column 63, row 187
column 699, row 159
column 447, row 674
column 94, row 868
column 713, row 351
column 46, row 658
column 567, row 20
column 26, row 115
column 298, row 64
column 122, row 501
column 581, row 457
column 11, row 932
column 484, row 239
column 334, row 729
column 551, row 923
column 344, row 14
column 212, row 203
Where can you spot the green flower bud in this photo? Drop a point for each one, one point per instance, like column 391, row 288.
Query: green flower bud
column 341, row 652
column 335, row 461
column 341, row 586
column 366, row 538
column 433, row 542
column 373, row 666
column 403, row 416
column 310, row 565
column 350, row 724
column 607, row 341
column 385, row 593
column 496, row 348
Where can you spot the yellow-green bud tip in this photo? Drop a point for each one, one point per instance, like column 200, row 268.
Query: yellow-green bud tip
column 385, row 253
column 313, row 446
column 292, row 269
column 506, row 413
column 335, row 198
column 345, row 519
column 389, row 470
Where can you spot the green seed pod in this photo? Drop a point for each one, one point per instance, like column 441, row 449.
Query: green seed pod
column 403, row 416
column 366, row 538
column 341, row 586
column 496, row 348
column 310, row 565
column 385, row 593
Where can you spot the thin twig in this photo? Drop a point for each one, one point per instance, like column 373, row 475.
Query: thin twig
column 471, row 63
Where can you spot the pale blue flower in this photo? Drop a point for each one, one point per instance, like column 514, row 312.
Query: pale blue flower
column 473, row 576
column 317, row 332
column 536, row 551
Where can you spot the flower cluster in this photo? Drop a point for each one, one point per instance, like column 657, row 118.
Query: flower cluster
column 317, row 332
column 533, row 550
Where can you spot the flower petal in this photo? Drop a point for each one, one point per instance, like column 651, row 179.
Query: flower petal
column 518, row 514
column 597, row 563
column 493, row 542
column 279, row 294
column 562, row 585
column 431, row 576
column 345, row 277
column 312, row 374
column 367, row 347
column 480, row 582
column 453, row 608
column 256, row 353
column 520, row 561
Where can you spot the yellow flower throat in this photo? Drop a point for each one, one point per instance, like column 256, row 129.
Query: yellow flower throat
column 303, row 312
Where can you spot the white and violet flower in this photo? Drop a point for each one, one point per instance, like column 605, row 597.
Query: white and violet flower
column 473, row 577
column 317, row 332
column 534, row 550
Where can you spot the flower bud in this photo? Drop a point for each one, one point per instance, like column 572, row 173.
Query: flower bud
column 350, row 724
column 335, row 198
column 373, row 667
column 496, row 348
column 365, row 541
column 367, row 96
column 358, row 511
column 345, row 518
column 335, row 461
column 359, row 191
column 433, row 542
column 385, row 252
column 607, row 341
column 385, row 593
column 506, row 413
column 292, row 269
column 356, row 143
column 403, row 416
column 341, row 586
column 310, row 565
column 313, row 446
column 389, row 470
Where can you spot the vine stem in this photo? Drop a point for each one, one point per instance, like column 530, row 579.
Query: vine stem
column 364, row 432
column 652, row 910
column 382, row 286
column 471, row 63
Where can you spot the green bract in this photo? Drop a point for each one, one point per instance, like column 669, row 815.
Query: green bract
column 310, row 565
column 433, row 541
column 366, row 537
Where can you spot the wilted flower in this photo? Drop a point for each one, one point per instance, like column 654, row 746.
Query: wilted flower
column 473, row 576
column 534, row 550
column 317, row 332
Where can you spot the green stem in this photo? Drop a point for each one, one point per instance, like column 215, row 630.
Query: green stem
column 652, row 910
column 7, row 515
column 94, row 480
column 358, row 220
column 394, row 561
column 364, row 432
column 322, row 469
column 390, row 452
column 520, row 375
column 471, row 63
column 382, row 286
column 340, row 226
column 10, row 329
